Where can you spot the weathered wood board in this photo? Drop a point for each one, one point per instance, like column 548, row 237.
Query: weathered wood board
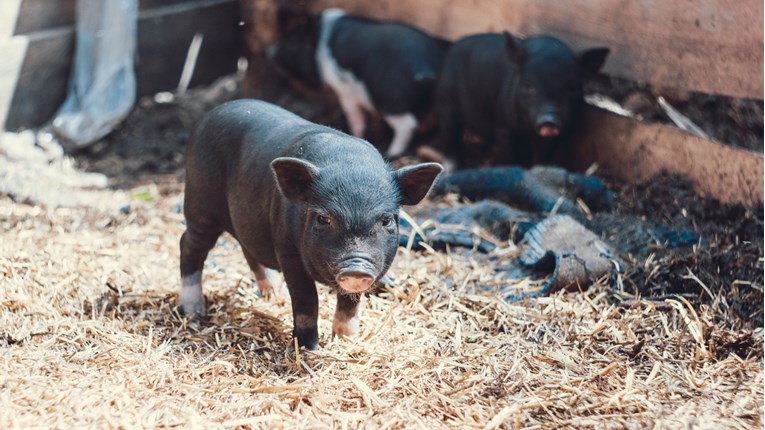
column 37, row 44
column 635, row 151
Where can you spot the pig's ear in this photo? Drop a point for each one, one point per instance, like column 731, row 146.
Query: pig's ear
column 513, row 47
column 295, row 177
column 414, row 182
column 593, row 59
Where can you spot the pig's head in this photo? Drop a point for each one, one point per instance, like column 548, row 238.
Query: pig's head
column 547, row 93
column 349, row 224
column 295, row 53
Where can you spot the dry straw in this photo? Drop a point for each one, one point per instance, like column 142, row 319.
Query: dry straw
column 89, row 337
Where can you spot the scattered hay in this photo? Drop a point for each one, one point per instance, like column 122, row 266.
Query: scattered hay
column 89, row 336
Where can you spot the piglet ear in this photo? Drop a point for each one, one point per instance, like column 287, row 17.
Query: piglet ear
column 414, row 182
column 513, row 47
column 593, row 59
column 295, row 177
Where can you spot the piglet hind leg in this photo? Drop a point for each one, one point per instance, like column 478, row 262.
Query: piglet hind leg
column 403, row 128
column 354, row 114
column 195, row 244
column 264, row 284
column 305, row 301
column 346, row 321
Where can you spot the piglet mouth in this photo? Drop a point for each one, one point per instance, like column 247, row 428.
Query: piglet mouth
column 356, row 275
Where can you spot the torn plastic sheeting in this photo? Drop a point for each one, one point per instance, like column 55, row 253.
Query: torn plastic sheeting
column 102, row 88
column 558, row 249
column 573, row 254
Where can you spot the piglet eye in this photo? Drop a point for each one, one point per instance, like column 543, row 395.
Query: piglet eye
column 323, row 220
column 387, row 221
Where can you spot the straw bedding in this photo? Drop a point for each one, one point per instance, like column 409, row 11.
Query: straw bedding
column 90, row 337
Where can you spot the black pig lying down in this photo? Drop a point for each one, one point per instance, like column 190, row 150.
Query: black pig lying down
column 315, row 203
column 521, row 96
column 382, row 66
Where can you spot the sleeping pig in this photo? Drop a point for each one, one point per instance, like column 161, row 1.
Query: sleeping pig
column 315, row 203
column 519, row 95
column 382, row 66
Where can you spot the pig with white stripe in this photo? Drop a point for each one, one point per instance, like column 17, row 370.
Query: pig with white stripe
column 373, row 66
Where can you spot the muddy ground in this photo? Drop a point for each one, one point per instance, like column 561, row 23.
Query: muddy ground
column 724, row 270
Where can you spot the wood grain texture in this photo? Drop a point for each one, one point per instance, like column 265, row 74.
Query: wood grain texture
column 40, row 83
column 36, row 15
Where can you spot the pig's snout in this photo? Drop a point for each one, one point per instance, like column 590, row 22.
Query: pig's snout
column 548, row 125
column 355, row 282
column 356, row 275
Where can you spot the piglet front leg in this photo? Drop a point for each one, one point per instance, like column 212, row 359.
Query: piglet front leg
column 305, row 301
column 346, row 321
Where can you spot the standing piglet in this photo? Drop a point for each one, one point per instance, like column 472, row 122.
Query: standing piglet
column 382, row 66
column 315, row 203
column 519, row 96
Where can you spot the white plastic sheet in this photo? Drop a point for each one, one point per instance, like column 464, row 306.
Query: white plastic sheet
column 102, row 88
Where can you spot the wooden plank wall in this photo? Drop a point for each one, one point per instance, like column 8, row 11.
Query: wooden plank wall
column 37, row 44
column 710, row 46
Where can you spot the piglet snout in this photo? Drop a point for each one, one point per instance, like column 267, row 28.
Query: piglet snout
column 356, row 275
column 548, row 125
column 549, row 130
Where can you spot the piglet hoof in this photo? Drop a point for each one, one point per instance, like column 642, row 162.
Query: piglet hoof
column 307, row 337
column 345, row 328
column 192, row 305
column 266, row 289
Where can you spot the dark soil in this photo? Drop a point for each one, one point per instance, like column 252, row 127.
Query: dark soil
column 151, row 140
column 729, row 261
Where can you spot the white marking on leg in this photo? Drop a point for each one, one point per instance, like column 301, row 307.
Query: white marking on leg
column 190, row 298
column 403, row 128
column 345, row 327
column 305, row 321
column 345, row 323
column 355, row 116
